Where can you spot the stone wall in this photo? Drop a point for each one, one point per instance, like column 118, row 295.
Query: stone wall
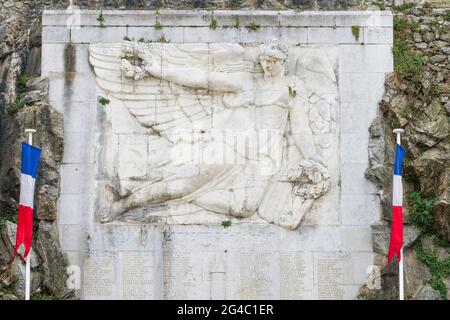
column 20, row 52
column 214, row 261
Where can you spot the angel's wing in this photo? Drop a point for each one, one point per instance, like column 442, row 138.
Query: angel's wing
column 301, row 179
column 155, row 103
column 318, row 97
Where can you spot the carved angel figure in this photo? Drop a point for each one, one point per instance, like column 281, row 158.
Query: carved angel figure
column 240, row 137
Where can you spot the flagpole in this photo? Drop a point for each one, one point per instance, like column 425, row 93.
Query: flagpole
column 398, row 132
column 28, row 259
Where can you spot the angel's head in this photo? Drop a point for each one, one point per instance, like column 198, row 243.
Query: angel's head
column 272, row 56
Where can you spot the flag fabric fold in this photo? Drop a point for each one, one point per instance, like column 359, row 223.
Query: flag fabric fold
column 396, row 241
column 29, row 168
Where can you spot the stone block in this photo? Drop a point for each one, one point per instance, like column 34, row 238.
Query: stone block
column 326, row 35
column 72, row 237
column 361, row 87
column 360, row 210
column 170, row 34
column 205, row 34
column 52, row 58
column 356, row 117
column 259, row 35
column 365, row 58
column 354, row 148
column 378, row 35
column 71, row 86
column 353, row 180
column 74, row 208
column 293, row 35
column 87, row 34
column 55, row 35
column 76, row 179
column 356, row 238
column 78, row 146
column 79, row 117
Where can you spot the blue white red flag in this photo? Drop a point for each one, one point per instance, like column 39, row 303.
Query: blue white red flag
column 29, row 168
column 396, row 241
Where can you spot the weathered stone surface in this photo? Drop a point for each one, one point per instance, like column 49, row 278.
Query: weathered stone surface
column 416, row 273
column 12, row 273
column 49, row 125
column 381, row 233
column 426, row 292
column 54, row 260
column 7, row 296
column 429, row 244
column 441, row 216
column 17, row 270
column 420, row 107
column 305, row 171
column 8, row 234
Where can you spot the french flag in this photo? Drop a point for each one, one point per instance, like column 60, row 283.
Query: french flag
column 396, row 242
column 29, row 168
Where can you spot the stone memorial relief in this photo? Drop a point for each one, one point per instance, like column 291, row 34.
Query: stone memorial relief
column 200, row 133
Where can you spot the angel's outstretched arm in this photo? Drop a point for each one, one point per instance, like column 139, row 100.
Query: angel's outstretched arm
column 198, row 78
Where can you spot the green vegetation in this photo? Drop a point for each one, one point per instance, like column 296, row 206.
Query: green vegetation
column 439, row 269
column 226, row 223
column 447, row 15
column 355, row 31
column 405, row 6
column 292, row 92
column 162, row 39
column 421, row 211
column 408, row 64
column 11, row 216
column 103, row 101
column 15, row 106
column 253, row 26
column 259, row 3
column 158, row 25
column 380, row 4
column 234, row 3
column 213, row 24
column 406, row 112
column 101, row 19
column 43, row 296
column 126, row 38
column 237, row 24
column 422, row 217
column 21, row 86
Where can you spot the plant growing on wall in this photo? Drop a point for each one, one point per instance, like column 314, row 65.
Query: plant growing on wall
column 439, row 269
column 213, row 23
column 253, row 26
column 103, row 101
column 408, row 64
column 226, row 223
column 355, row 31
column 236, row 22
column 18, row 103
column 101, row 19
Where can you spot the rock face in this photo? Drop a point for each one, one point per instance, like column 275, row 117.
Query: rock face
column 419, row 104
column 24, row 104
column 426, row 293
column 54, row 260
column 12, row 273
